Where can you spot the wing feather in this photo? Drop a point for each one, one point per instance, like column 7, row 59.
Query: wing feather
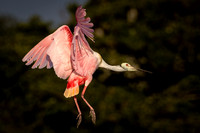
column 82, row 56
column 36, row 52
column 53, row 51
column 38, row 58
column 60, row 51
column 84, row 23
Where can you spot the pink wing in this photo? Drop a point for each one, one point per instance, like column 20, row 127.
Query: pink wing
column 82, row 55
column 54, row 50
column 38, row 53
column 84, row 23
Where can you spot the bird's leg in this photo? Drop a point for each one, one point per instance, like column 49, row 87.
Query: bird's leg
column 79, row 117
column 92, row 113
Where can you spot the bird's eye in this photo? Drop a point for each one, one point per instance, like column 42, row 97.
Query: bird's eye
column 127, row 64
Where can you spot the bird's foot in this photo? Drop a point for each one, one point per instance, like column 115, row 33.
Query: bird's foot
column 93, row 116
column 79, row 117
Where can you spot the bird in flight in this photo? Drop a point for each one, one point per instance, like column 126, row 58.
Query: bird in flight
column 71, row 57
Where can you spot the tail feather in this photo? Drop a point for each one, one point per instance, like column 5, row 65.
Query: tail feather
column 70, row 92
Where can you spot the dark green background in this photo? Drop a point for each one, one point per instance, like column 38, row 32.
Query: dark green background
column 158, row 35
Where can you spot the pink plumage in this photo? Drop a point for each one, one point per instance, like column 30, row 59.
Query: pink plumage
column 69, row 55
column 54, row 50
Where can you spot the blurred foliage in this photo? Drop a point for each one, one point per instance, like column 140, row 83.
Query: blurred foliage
column 159, row 35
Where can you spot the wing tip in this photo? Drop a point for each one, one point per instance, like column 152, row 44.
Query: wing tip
column 23, row 60
column 84, row 23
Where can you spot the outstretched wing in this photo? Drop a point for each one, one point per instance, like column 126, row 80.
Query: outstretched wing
column 38, row 54
column 81, row 51
column 54, row 50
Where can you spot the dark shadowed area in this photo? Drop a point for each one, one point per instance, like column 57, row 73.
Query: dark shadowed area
column 160, row 36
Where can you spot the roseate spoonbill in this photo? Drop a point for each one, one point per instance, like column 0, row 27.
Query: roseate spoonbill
column 71, row 56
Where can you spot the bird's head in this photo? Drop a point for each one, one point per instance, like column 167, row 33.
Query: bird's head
column 128, row 67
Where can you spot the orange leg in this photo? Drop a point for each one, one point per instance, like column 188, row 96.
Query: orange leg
column 92, row 113
column 79, row 117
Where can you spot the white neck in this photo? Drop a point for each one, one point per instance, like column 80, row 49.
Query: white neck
column 117, row 68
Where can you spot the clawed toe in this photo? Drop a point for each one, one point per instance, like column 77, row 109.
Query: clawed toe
column 79, row 117
column 93, row 116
